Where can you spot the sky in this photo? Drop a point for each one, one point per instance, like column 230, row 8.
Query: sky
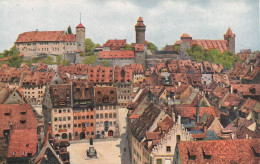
column 165, row 20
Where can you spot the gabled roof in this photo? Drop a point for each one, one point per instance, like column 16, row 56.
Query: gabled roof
column 41, row 36
column 145, row 121
column 221, row 45
column 19, row 116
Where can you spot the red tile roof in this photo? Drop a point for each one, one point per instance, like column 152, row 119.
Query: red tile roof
column 221, row 45
column 15, row 114
column 22, row 142
column 248, row 106
column 140, row 22
column 115, row 54
column 229, row 33
column 219, row 151
column 140, row 19
column 100, row 74
column 80, row 26
column 105, row 95
column 115, row 43
column 185, row 35
column 185, row 111
column 139, row 47
column 50, row 36
column 126, row 73
column 246, row 89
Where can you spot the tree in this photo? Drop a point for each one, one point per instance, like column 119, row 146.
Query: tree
column 49, row 60
column 65, row 62
column 128, row 47
column 152, row 47
column 58, row 59
column 90, row 59
column 105, row 63
column 227, row 59
column 69, row 30
column 97, row 45
column 176, row 48
column 89, row 46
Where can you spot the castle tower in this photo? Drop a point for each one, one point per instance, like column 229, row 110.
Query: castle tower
column 80, row 37
column 230, row 38
column 140, row 31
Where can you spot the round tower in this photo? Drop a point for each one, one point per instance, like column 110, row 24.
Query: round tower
column 80, row 37
column 230, row 38
column 140, row 31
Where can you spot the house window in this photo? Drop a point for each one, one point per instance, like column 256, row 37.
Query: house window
column 159, row 161
column 168, row 148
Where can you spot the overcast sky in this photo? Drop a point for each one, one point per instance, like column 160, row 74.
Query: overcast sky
column 165, row 20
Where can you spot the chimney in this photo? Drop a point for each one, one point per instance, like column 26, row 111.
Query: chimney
column 231, row 89
column 179, row 120
column 251, row 67
column 11, row 126
column 198, row 111
column 39, row 144
column 173, row 116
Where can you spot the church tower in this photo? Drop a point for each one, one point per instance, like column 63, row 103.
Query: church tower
column 80, row 37
column 140, row 31
column 230, row 38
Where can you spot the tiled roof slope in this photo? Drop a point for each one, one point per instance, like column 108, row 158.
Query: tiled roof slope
column 220, row 151
column 44, row 36
column 22, row 142
column 145, row 121
column 20, row 115
column 116, row 54
column 221, row 45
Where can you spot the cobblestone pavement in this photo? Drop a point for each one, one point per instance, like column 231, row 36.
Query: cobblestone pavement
column 109, row 151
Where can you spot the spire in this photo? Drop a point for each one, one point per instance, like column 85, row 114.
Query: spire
column 229, row 32
column 80, row 25
column 140, row 22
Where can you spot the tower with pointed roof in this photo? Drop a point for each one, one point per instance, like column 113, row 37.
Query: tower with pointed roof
column 140, row 31
column 80, row 37
column 230, row 38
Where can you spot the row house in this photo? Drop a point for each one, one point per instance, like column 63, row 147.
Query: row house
column 123, row 79
column 162, row 141
column 57, row 108
column 106, row 112
column 83, row 109
column 74, row 71
column 34, row 85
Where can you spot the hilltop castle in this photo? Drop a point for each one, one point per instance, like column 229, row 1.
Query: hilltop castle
column 37, row 42
column 228, row 44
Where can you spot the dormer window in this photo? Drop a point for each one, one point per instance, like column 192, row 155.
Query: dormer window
column 22, row 113
column 7, row 114
column 206, row 154
column 22, row 121
column 191, row 155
